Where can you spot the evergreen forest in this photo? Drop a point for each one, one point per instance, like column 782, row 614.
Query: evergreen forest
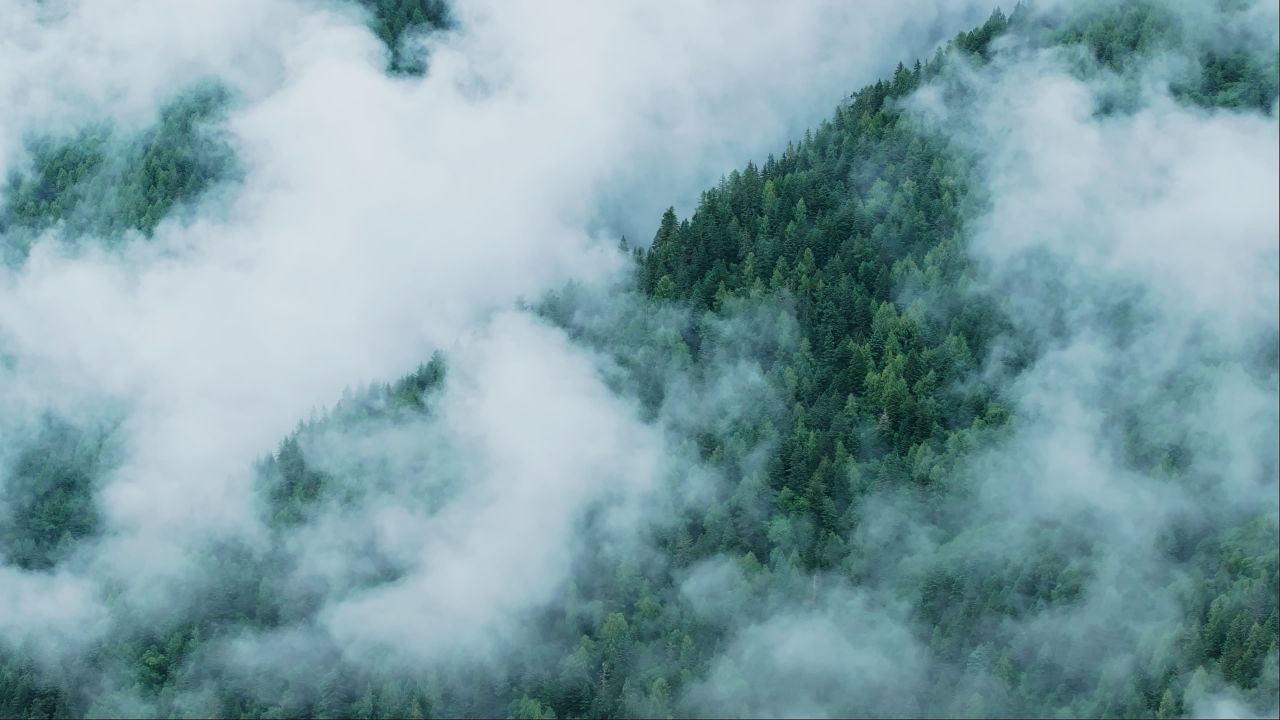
column 909, row 416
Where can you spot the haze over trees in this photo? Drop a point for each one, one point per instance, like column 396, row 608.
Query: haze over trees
column 961, row 403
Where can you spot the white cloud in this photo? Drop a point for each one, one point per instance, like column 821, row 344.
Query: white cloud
column 381, row 218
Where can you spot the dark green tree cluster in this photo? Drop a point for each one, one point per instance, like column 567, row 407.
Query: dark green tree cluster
column 395, row 20
column 1237, row 629
column 1236, row 79
column 47, row 503
column 102, row 183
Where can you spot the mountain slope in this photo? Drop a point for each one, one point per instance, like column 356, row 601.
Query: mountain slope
column 839, row 370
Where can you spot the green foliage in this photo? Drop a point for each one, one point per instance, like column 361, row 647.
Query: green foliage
column 862, row 215
column 290, row 485
column 838, row 272
column 1116, row 35
column 977, row 42
column 394, row 20
column 1237, row 80
column 25, row 693
column 47, row 498
column 104, row 184
column 857, row 230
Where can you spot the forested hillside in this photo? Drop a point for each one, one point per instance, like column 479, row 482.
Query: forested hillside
column 102, row 184
column 841, row 377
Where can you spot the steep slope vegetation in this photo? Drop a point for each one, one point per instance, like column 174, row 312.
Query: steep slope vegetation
column 840, row 269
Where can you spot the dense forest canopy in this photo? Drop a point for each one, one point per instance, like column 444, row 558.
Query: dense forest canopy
column 918, row 416
column 100, row 184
